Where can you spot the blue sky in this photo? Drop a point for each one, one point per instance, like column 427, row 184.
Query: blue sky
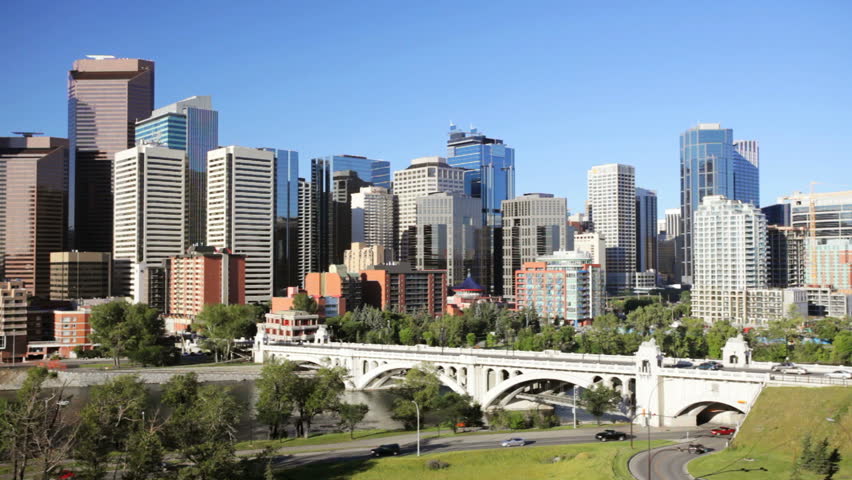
column 568, row 84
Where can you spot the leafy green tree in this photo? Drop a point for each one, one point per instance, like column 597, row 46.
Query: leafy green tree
column 470, row 339
column 110, row 329
column 351, row 414
column 114, row 411
column 717, row 335
column 407, row 336
column 202, row 427
column 304, row 302
column 599, row 400
column 421, row 385
column 134, row 330
column 842, row 348
column 144, row 456
column 274, row 407
column 223, row 324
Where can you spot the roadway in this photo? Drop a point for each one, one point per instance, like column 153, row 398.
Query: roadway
column 296, row 456
column 669, row 462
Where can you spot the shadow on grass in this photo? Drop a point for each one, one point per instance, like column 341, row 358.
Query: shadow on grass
column 327, row 471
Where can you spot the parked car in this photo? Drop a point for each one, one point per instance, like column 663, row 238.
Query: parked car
column 782, row 366
column 513, row 442
column 840, row 374
column 382, row 450
column 794, row 371
column 709, row 366
column 608, row 435
column 723, row 431
column 682, row 364
column 696, row 448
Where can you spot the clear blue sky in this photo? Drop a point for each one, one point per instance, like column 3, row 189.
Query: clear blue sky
column 568, row 84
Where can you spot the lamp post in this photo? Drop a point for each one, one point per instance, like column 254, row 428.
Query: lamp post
column 416, row 406
column 574, row 409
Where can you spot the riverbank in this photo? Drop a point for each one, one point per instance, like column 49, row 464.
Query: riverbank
column 87, row 376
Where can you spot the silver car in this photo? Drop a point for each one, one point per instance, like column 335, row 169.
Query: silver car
column 840, row 374
column 794, row 371
column 513, row 442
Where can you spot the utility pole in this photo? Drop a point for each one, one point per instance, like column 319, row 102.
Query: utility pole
column 418, row 426
column 574, row 409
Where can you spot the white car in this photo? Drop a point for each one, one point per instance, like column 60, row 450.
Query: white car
column 840, row 374
column 794, row 371
column 513, row 442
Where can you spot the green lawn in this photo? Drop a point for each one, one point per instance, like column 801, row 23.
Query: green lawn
column 594, row 461
column 771, row 436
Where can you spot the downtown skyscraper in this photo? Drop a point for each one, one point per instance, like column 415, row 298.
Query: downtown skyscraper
column 190, row 125
column 612, row 210
column 710, row 164
column 106, row 97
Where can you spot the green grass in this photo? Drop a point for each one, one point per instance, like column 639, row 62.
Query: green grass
column 594, row 461
column 330, row 438
column 771, row 435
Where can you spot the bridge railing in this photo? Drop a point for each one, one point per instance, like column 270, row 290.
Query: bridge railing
column 808, row 379
column 714, row 374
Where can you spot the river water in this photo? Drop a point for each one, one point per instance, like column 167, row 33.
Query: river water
column 378, row 417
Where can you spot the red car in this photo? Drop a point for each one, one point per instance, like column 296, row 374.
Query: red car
column 723, row 431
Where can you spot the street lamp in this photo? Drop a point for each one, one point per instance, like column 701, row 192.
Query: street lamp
column 416, row 406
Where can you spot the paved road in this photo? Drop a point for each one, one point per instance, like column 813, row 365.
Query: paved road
column 669, row 463
column 295, row 456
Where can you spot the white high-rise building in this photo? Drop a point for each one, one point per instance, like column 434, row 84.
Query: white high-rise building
column 308, row 255
column 150, row 216
column 425, row 175
column 731, row 252
column 373, row 217
column 612, row 210
column 534, row 224
column 594, row 244
column 674, row 227
column 240, row 204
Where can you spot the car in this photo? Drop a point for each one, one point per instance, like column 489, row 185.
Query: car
column 840, row 374
column 608, row 435
column 794, row 371
column 709, row 366
column 696, row 448
column 382, row 450
column 513, row 442
column 782, row 366
column 682, row 364
column 723, row 431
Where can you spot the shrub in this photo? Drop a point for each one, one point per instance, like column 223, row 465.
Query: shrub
column 436, row 465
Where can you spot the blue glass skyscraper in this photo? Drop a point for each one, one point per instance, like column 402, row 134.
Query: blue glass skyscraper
column 492, row 170
column 285, row 248
column 710, row 164
column 191, row 125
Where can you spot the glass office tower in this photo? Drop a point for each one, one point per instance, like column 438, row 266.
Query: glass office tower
column 375, row 172
column 285, row 263
column 492, row 169
column 193, row 126
column 706, row 168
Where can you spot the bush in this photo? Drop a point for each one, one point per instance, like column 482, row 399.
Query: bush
column 436, row 465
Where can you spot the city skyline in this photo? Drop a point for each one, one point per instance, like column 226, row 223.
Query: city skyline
column 292, row 111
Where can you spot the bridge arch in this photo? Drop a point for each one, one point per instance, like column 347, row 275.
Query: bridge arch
column 391, row 366
column 699, row 413
column 511, row 383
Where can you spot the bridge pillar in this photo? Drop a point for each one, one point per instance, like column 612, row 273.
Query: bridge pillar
column 649, row 395
column 736, row 352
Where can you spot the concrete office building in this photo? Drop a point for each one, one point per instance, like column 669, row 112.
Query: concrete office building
column 612, row 210
column 754, row 307
column 362, row 256
column 373, row 217
column 594, row 244
column 425, row 175
column 33, row 208
column 450, row 236
column 150, row 219
column 240, row 212
column 564, row 287
column 308, row 253
column 77, row 275
column 646, row 230
column 13, row 321
column 832, row 212
column 106, row 97
column 190, row 125
column 674, row 225
column 787, row 256
column 534, row 224
column 339, row 288
column 827, row 302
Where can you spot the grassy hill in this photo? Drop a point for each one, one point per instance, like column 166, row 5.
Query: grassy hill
column 771, row 435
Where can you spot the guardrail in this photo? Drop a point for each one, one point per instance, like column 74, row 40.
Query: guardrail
column 809, row 379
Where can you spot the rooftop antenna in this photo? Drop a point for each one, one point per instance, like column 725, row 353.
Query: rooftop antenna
column 27, row 134
column 100, row 57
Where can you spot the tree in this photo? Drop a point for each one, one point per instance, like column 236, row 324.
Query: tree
column 222, row 324
column 470, row 339
column 717, row 335
column 134, row 330
column 202, row 427
column 421, row 385
column 110, row 330
column 842, row 348
column 599, row 400
column 304, row 302
column 144, row 457
column 351, row 414
column 114, row 411
column 34, row 427
column 273, row 406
